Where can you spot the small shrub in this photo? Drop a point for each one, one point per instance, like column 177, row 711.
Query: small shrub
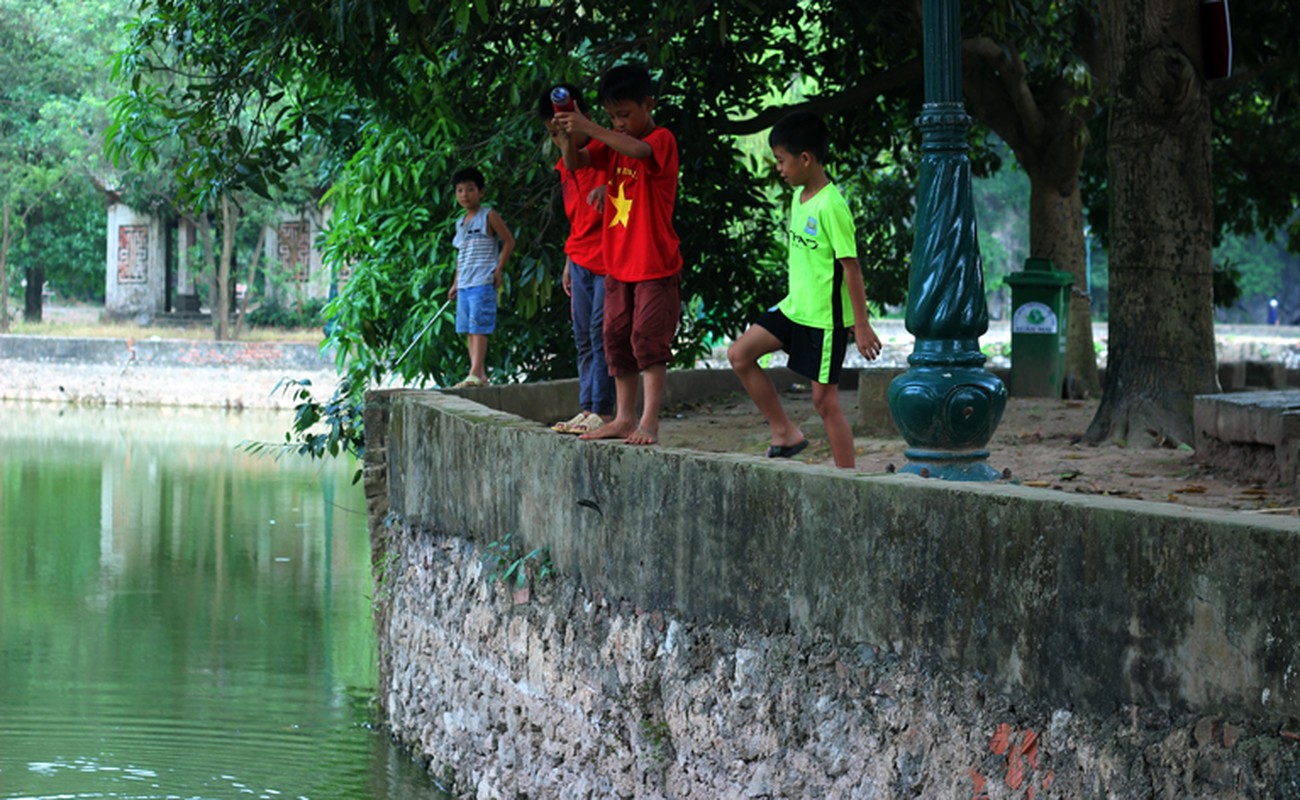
column 506, row 566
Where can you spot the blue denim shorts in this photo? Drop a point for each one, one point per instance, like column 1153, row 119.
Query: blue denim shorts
column 476, row 309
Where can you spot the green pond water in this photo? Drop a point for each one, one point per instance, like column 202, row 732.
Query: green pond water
column 181, row 619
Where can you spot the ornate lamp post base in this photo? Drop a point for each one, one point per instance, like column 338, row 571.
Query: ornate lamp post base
column 947, row 407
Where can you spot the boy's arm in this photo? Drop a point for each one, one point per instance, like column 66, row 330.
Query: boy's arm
column 864, row 336
column 575, row 158
column 507, row 238
column 573, row 121
column 629, row 146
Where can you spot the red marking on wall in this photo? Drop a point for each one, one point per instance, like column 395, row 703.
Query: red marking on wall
column 1001, row 741
column 979, row 782
column 1029, row 748
column 1022, row 753
column 1015, row 769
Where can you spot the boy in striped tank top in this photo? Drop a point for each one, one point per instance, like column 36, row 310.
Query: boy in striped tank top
column 483, row 245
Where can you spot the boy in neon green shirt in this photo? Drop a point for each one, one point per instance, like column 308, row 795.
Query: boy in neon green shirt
column 826, row 297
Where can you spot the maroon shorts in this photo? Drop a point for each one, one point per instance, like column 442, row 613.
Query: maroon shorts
column 640, row 322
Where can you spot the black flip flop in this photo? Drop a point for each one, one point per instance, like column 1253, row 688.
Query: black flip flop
column 786, row 450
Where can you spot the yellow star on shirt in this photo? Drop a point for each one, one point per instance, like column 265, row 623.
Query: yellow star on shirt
column 622, row 208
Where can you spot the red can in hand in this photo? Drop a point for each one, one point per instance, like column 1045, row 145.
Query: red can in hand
column 562, row 100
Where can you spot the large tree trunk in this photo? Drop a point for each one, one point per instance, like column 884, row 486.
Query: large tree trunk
column 33, row 301
column 1162, row 304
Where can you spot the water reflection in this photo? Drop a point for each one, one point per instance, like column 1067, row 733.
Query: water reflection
column 179, row 618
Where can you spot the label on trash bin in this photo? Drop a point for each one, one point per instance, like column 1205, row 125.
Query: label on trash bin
column 1033, row 318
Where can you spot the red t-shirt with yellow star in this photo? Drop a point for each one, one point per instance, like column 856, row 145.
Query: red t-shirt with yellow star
column 586, row 242
column 640, row 243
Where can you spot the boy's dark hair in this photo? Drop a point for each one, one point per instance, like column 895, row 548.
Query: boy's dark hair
column 625, row 82
column 467, row 174
column 544, row 108
column 801, row 132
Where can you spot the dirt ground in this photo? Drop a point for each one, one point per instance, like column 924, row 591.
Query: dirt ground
column 1038, row 440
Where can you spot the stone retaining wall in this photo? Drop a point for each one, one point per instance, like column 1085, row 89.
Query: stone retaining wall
column 162, row 352
column 718, row 626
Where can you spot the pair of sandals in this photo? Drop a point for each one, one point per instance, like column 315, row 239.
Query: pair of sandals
column 582, row 422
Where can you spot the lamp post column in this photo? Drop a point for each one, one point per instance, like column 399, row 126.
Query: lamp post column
column 946, row 405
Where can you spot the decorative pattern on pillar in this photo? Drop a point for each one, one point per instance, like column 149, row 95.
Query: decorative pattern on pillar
column 946, row 405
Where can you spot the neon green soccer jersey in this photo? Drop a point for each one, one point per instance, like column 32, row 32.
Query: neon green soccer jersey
column 821, row 233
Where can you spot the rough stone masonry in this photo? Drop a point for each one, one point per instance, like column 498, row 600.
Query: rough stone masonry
column 551, row 693
column 572, row 690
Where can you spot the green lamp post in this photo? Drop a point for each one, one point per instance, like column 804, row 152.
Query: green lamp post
column 946, row 405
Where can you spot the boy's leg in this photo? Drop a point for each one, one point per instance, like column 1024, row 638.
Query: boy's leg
column 477, row 343
column 623, row 424
column 602, row 386
column 656, row 311
column 826, row 399
column 618, row 351
column 647, row 430
column 580, row 309
column 476, row 307
column 744, row 354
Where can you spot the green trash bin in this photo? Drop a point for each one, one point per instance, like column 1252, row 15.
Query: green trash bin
column 1040, row 305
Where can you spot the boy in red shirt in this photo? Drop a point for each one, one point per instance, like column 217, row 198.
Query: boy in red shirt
column 583, row 192
column 641, row 249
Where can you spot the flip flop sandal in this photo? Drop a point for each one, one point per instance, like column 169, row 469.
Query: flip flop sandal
column 568, row 426
column 587, row 425
column 786, row 450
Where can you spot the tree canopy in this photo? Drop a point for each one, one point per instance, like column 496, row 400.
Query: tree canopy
column 404, row 92
column 393, row 95
column 54, row 93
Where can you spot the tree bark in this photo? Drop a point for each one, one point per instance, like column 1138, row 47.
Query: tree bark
column 33, row 301
column 1162, row 306
column 221, row 304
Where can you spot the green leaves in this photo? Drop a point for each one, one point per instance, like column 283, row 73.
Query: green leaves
column 320, row 428
column 505, row 566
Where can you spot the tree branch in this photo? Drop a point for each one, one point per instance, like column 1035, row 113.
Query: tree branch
column 896, row 77
column 1010, row 71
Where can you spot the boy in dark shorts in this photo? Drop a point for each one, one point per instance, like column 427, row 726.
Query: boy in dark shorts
column 640, row 247
column 826, row 297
